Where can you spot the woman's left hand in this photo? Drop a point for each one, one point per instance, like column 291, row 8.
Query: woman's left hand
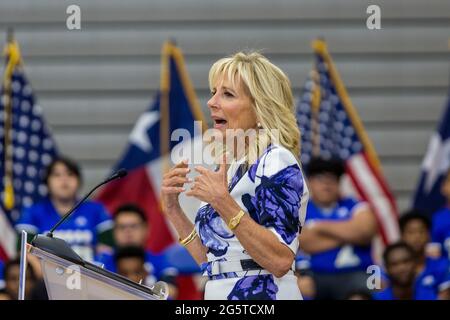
column 210, row 186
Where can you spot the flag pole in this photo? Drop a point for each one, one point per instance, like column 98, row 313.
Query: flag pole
column 315, row 110
column 164, row 104
column 12, row 53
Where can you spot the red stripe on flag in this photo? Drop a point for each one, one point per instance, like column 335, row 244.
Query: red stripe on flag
column 383, row 184
column 389, row 218
column 137, row 188
column 364, row 176
column 355, row 179
column 8, row 237
column 3, row 255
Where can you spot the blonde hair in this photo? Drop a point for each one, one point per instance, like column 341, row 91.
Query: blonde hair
column 270, row 91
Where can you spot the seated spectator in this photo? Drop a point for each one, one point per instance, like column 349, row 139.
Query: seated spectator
column 130, row 262
column 441, row 223
column 131, row 229
column 415, row 230
column 400, row 263
column 337, row 233
column 11, row 274
column 89, row 226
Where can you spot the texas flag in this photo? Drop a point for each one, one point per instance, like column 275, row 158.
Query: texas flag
column 436, row 163
column 152, row 142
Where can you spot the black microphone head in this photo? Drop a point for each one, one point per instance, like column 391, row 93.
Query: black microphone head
column 121, row 173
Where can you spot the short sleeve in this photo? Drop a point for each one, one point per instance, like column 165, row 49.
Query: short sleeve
column 103, row 219
column 28, row 221
column 279, row 195
column 158, row 266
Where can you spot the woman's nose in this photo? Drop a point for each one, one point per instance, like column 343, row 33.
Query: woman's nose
column 212, row 102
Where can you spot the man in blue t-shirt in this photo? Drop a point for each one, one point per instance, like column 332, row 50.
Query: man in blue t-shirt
column 337, row 233
column 400, row 263
column 88, row 230
column 440, row 232
column 430, row 272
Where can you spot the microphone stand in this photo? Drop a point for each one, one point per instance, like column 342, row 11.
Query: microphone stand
column 58, row 246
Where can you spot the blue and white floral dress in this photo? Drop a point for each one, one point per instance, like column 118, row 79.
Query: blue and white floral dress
column 274, row 193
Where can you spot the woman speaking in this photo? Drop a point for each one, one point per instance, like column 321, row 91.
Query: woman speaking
column 253, row 206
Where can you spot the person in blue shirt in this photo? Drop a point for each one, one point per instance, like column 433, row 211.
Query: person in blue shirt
column 337, row 233
column 400, row 263
column 131, row 230
column 88, row 230
column 431, row 272
column 440, row 232
column 130, row 263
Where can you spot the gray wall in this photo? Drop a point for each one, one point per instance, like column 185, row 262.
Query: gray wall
column 94, row 83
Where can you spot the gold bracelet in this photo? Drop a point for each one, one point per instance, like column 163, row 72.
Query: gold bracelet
column 189, row 238
column 234, row 222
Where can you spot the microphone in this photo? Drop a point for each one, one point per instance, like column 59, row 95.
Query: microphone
column 117, row 175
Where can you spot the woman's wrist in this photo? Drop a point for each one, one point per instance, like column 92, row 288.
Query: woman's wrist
column 226, row 206
column 173, row 208
column 180, row 222
column 175, row 215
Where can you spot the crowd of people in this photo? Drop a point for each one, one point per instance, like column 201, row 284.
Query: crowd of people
column 336, row 255
column 332, row 262
column 254, row 219
column 115, row 241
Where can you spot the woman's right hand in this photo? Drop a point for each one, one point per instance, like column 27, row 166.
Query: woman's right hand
column 172, row 185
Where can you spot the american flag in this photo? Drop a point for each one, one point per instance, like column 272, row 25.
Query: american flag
column 330, row 127
column 31, row 148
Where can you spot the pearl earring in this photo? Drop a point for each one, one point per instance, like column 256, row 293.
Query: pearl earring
column 259, row 125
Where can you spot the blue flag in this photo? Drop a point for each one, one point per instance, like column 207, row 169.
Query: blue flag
column 435, row 165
